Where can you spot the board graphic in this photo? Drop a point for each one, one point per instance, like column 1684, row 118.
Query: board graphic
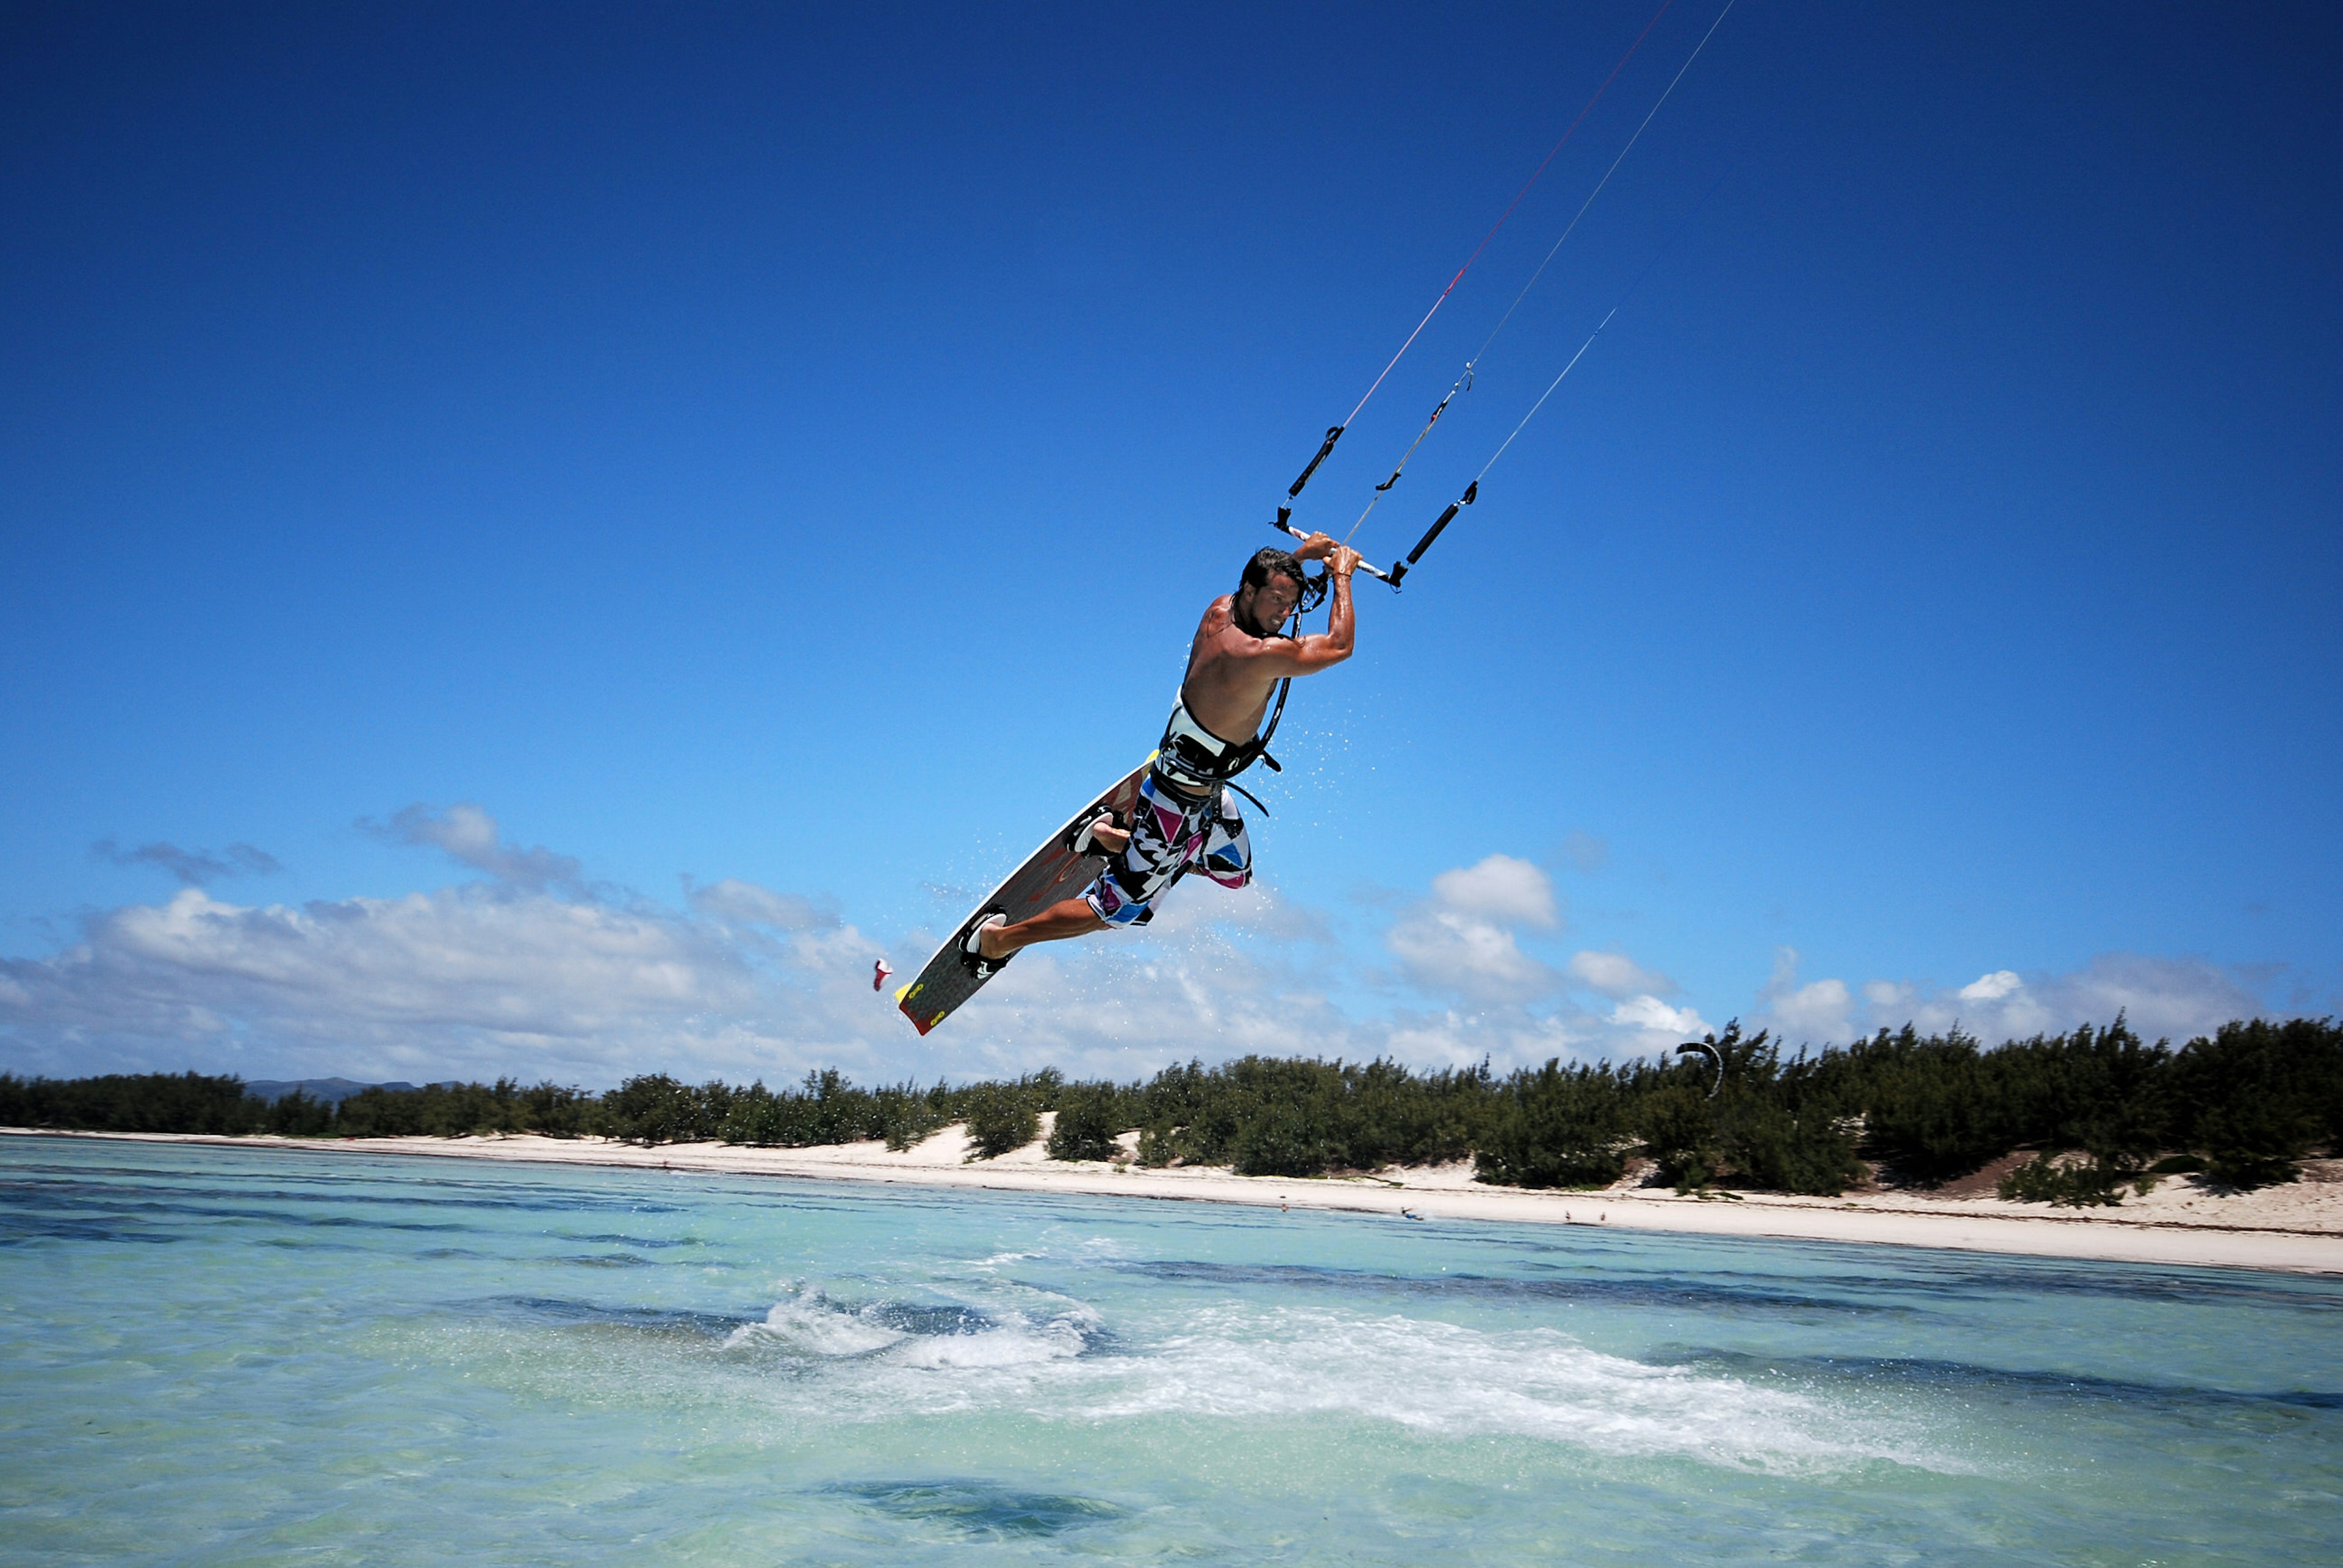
column 1050, row 874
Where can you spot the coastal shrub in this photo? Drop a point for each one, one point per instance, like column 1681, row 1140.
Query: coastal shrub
column 457, row 1109
column 1403, row 1118
column 1678, row 1127
column 1930, row 1106
column 906, row 1114
column 825, row 1109
column 1277, row 1118
column 2255, row 1097
column 560, row 1110
column 1302, row 1116
column 1175, row 1096
column 2245, row 1105
column 434, row 1110
column 1770, row 1124
column 2073, row 1182
column 133, row 1102
column 1159, row 1145
column 657, row 1109
column 1557, row 1127
column 1280, row 1138
column 1001, row 1118
column 1782, row 1150
column 296, row 1115
column 1681, row 1109
column 1089, row 1120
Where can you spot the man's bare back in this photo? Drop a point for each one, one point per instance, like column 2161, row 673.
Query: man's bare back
column 1235, row 662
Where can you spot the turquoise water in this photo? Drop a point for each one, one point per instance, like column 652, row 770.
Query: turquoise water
column 221, row 1355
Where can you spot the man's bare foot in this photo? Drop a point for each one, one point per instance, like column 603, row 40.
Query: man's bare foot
column 1100, row 834
column 988, row 945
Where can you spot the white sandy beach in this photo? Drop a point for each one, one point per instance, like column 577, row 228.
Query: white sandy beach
column 2298, row 1227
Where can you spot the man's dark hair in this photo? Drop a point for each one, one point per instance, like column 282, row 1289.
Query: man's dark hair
column 1269, row 561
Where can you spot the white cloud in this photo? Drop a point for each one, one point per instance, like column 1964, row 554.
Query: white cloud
column 1461, row 942
column 748, row 904
column 1499, row 888
column 1616, row 975
column 1654, row 1026
column 1446, row 951
column 468, row 835
column 470, row 980
column 2160, row 997
column 535, row 974
column 1992, row 987
column 1817, row 1012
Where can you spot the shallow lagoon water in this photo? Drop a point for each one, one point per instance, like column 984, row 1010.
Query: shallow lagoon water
column 213, row 1355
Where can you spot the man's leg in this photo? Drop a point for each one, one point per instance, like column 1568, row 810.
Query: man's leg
column 1145, row 858
column 1068, row 918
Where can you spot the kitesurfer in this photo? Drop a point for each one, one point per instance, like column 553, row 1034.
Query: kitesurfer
column 1185, row 817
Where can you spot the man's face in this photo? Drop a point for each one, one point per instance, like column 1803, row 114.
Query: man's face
column 1267, row 606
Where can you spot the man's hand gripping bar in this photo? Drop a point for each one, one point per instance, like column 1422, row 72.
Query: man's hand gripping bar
column 1376, row 572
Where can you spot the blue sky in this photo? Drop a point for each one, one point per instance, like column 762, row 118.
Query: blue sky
column 541, row 540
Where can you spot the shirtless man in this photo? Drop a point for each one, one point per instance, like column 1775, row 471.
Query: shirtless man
column 1185, row 817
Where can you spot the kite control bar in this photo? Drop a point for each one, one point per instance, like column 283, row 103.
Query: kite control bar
column 1376, row 572
column 1400, row 569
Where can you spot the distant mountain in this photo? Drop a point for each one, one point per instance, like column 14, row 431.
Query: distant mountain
column 332, row 1090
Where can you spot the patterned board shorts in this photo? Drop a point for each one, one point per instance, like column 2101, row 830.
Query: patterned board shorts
column 1173, row 833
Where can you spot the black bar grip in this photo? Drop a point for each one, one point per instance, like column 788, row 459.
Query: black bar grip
column 1333, row 436
column 1472, row 492
column 1424, row 543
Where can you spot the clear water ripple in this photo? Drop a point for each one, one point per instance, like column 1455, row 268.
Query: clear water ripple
column 737, row 1371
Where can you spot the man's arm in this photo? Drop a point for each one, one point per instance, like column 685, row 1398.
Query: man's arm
column 1323, row 649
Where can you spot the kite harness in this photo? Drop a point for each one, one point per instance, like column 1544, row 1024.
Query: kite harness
column 1194, row 757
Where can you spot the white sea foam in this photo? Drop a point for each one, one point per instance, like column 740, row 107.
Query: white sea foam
column 1444, row 1380
column 1012, row 1344
column 998, row 1258
column 810, row 1324
column 1244, row 1364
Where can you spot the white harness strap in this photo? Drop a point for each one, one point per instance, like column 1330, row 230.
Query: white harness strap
column 1182, row 736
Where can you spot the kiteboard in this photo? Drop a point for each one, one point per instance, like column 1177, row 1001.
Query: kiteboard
column 1050, row 874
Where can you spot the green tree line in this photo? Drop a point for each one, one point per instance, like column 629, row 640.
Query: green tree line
column 2103, row 1111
